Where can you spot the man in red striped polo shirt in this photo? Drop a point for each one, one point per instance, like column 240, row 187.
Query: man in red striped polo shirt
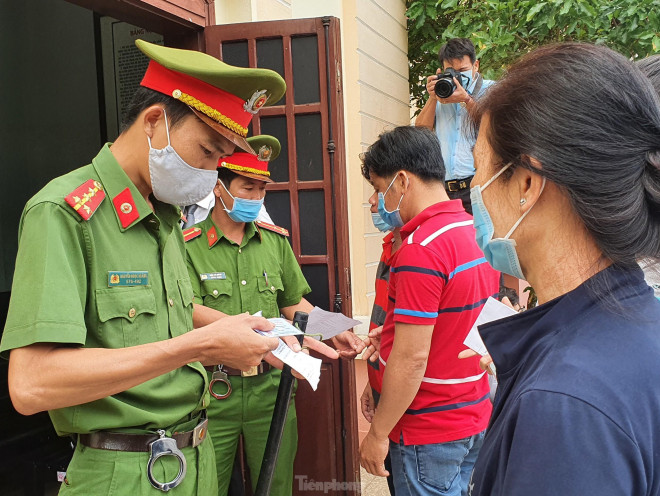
column 433, row 407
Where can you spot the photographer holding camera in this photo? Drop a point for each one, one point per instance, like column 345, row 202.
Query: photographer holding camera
column 452, row 92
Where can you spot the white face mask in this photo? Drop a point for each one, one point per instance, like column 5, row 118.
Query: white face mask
column 175, row 182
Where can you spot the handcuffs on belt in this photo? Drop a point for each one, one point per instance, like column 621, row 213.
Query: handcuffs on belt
column 166, row 446
column 219, row 375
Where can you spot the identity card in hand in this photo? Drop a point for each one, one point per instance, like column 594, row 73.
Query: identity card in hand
column 282, row 328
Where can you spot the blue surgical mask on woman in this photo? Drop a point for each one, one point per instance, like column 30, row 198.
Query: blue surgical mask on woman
column 379, row 223
column 393, row 218
column 499, row 252
column 243, row 210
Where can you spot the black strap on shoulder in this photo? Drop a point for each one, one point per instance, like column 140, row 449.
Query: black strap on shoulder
column 477, row 86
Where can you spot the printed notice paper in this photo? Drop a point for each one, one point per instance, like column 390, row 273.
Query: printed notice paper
column 329, row 324
column 492, row 310
column 307, row 366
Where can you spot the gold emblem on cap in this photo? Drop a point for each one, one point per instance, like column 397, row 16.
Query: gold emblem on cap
column 256, row 101
column 265, row 152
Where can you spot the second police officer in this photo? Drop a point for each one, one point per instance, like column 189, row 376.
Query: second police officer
column 238, row 265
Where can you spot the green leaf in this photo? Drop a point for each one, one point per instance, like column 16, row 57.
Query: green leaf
column 535, row 10
column 566, row 7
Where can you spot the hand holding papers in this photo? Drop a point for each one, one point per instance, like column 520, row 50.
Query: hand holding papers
column 282, row 328
column 328, row 324
column 493, row 310
column 307, row 366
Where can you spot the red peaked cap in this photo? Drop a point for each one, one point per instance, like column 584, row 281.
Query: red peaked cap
column 254, row 166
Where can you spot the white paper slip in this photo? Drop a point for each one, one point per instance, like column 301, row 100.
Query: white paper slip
column 307, row 366
column 329, row 324
column 492, row 310
column 282, row 328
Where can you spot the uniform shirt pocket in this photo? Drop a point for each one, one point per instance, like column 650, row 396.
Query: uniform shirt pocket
column 126, row 316
column 217, row 294
column 269, row 290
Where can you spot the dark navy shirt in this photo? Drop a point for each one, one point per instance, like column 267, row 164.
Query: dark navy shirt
column 577, row 410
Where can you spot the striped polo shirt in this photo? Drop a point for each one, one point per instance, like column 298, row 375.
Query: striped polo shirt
column 440, row 277
column 379, row 310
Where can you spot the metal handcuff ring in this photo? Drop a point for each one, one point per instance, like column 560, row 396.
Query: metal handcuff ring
column 219, row 376
column 165, row 446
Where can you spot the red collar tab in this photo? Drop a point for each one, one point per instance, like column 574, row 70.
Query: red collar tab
column 220, row 105
column 125, row 208
column 191, row 233
column 212, row 236
column 271, row 227
column 86, row 198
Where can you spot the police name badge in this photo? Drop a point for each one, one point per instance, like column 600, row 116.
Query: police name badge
column 128, row 278
column 213, row 276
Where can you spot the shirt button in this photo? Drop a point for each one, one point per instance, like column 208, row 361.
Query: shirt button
column 171, row 302
column 240, row 251
column 131, row 313
column 215, row 292
column 243, row 282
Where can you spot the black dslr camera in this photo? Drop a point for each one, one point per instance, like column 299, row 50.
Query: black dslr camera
column 445, row 85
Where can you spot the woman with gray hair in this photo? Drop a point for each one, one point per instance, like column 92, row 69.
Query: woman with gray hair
column 567, row 196
column 651, row 67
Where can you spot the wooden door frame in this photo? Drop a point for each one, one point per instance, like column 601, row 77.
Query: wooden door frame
column 181, row 22
column 331, row 108
column 339, row 279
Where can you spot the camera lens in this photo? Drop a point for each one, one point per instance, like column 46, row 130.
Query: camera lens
column 444, row 87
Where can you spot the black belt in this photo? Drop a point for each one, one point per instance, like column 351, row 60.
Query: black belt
column 118, row 441
column 458, row 184
column 260, row 369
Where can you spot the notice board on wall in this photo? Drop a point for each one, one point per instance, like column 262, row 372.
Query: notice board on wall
column 123, row 67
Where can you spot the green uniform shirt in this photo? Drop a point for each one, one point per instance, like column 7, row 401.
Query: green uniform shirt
column 65, row 290
column 260, row 274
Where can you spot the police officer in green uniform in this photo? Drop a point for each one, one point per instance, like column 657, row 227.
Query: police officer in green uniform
column 239, row 265
column 100, row 323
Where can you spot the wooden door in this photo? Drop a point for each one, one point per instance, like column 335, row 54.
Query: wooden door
column 308, row 198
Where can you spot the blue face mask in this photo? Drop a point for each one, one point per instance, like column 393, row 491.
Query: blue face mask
column 499, row 252
column 379, row 223
column 392, row 218
column 243, row 210
column 466, row 79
